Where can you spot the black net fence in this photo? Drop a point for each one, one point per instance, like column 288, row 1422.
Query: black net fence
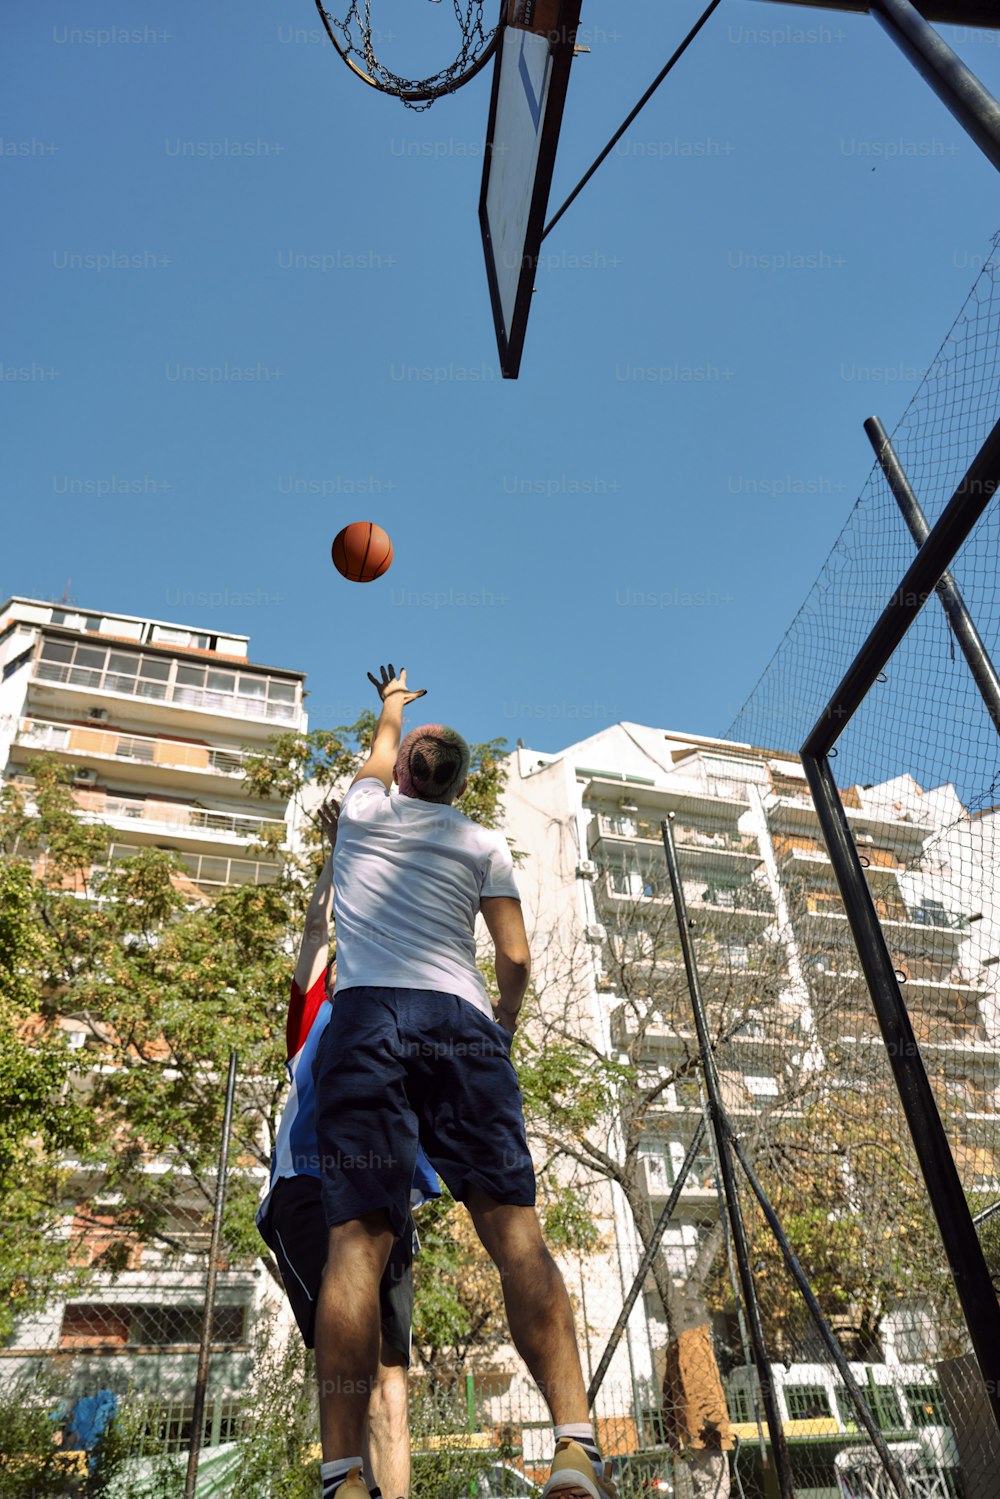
column 918, row 767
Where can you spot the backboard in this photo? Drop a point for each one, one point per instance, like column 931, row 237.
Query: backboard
column 530, row 78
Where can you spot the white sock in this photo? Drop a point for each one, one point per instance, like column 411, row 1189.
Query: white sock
column 334, row 1473
column 582, row 1432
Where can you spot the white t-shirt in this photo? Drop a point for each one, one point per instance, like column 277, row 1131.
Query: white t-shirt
column 409, row 877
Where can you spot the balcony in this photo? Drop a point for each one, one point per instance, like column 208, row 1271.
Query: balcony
column 807, row 858
column 674, row 1030
column 820, row 907
column 150, row 818
column 797, row 811
column 657, row 1175
column 150, row 681
column 81, row 744
column 721, row 847
column 722, row 801
column 124, row 812
column 921, row 976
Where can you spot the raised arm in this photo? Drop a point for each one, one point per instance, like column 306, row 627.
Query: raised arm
column 314, row 949
column 395, row 696
column 505, row 924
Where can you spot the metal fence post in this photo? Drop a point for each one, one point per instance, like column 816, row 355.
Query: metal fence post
column 201, row 1379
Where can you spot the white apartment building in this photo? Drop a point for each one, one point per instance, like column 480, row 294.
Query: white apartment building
column 155, row 718
column 770, row 929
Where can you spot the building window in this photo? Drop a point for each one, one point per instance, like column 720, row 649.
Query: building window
column 94, row 1326
column 762, row 1090
column 163, row 635
column 157, row 677
column 808, row 1402
column 15, row 665
column 739, row 1404
column 925, row 1405
column 846, row 1409
column 76, row 621
column 884, row 1404
column 101, row 1325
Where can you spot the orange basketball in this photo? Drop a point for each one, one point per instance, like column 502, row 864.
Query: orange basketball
column 362, row 551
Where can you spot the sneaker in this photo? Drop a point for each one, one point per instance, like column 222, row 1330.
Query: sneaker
column 574, row 1476
column 352, row 1487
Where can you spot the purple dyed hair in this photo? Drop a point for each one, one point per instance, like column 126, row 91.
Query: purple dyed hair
column 432, row 763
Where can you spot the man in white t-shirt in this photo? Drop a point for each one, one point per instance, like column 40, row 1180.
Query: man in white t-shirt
column 413, row 1052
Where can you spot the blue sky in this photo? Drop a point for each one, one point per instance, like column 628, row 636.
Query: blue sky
column 773, row 253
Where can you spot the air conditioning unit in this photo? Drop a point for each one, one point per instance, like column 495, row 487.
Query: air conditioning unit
column 595, row 933
column 85, row 778
column 586, row 870
column 99, row 715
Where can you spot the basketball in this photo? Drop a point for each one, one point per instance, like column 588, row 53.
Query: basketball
column 362, row 551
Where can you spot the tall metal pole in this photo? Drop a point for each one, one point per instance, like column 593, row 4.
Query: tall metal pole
column 721, row 1130
column 969, row 639
column 201, row 1379
column 973, row 106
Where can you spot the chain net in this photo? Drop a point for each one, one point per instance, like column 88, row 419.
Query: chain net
column 356, row 35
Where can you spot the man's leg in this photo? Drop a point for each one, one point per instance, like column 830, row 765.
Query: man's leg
column 348, row 1330
column 538, row 1307
column 388, row 1427
column 367, row 1156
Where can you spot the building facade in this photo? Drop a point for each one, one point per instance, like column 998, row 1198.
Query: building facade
column 154, row 719
column 786, row 1001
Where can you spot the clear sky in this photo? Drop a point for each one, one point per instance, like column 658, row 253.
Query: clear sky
column 773, row 253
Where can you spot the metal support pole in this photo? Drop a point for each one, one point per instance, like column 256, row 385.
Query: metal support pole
column 201, row 1380
column 644, row 1264
column 973, row 106
column 720, row 1129
column 973, row 1284
column 969, row 639
column 797, row 1273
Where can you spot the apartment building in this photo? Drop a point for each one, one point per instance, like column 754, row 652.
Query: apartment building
column 782, row 984
column 155, row 719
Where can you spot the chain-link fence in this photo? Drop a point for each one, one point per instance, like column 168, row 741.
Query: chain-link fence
column 918, row 769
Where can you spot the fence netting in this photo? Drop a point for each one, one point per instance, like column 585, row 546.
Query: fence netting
column 918, row 767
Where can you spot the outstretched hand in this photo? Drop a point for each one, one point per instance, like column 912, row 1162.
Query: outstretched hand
column 392, row 686
column 328, row 816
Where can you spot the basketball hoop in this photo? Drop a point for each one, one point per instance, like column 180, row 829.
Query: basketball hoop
column 353, row 37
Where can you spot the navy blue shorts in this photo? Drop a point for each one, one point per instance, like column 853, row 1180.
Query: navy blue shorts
column 295, row 1231
column 398, row 1065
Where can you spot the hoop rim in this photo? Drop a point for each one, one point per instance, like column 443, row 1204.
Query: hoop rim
column 419, row 95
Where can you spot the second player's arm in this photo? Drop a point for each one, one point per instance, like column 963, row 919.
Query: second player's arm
column 505, row 924
column 314, row 948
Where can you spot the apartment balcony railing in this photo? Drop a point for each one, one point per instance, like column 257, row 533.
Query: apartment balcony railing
column 97, row 807
column 827, row 905
column 140, row 749
column 691, row 839
column 98, row 679
column 658, row 1174
column 798, row 807
column 170, row 817
column 207, row 871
